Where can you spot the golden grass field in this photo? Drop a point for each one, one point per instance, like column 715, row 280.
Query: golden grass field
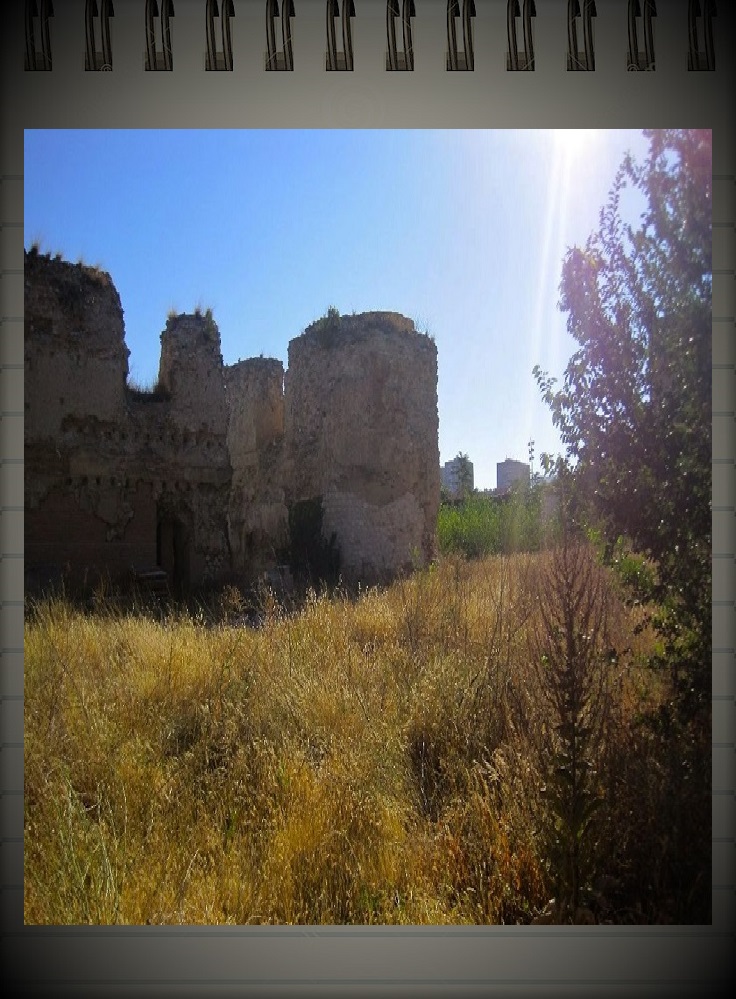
column 387, row 758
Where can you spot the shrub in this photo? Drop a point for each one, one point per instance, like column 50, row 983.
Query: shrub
column 488, row 525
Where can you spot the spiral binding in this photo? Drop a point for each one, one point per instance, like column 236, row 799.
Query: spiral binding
column 577, row 60
column 96, row 60
column 701, row 60
column 517, row 61
column 460, row 54
column 396, row 60
column 636, row 59
column 215, row 60
column 456, row 60
column 284, row 59
column 335, row 60
column 36, row 60
column 155, row 60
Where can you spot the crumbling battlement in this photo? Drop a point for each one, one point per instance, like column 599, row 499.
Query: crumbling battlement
column 76, row 360
column 199, row 475
column 191, row 373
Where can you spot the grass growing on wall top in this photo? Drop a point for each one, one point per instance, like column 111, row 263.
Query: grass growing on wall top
column 147, row 391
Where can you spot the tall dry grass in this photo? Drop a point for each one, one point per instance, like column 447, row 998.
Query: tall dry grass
column 370, row 760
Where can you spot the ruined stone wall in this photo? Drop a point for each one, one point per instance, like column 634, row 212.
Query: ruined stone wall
column 361, row 424
column 194, row 429
column 257, row 512
column 68, row 536
column 110, row 473
column 191, row 373
column 80, row 506
column 75, row 358
column 199, row 475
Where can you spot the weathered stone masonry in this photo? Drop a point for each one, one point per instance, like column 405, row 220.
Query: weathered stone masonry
column 198, row 476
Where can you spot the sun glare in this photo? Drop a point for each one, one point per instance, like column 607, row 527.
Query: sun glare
column 568, row 145
column 572, row 143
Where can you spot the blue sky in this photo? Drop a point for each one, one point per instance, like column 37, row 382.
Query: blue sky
column 463, row 231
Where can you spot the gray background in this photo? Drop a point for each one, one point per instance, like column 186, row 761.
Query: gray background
column 564, row 961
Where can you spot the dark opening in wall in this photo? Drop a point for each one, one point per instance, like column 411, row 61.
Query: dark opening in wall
column 312, row 558
column 172, row 550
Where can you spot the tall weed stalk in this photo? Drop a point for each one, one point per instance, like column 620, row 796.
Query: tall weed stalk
column 570, row 647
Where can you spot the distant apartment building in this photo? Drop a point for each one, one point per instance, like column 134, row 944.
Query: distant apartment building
column 508, row 472
column 452, row 478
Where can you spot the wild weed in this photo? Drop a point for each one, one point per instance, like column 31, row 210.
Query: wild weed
column 377, row 759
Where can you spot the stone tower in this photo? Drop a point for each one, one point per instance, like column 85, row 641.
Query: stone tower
column 191, row 373
column 192, row 496
column 362, row 425
column 76, row 360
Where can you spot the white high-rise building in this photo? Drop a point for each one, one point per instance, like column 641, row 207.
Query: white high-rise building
column 451, row 478
column 510, row 471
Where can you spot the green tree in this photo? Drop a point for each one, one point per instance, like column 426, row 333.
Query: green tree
column 634, row 410
column 464, row 475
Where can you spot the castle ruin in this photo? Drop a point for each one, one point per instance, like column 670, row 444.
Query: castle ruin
column 208, row 476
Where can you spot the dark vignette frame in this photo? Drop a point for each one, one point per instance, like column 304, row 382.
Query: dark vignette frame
column 303, row 961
